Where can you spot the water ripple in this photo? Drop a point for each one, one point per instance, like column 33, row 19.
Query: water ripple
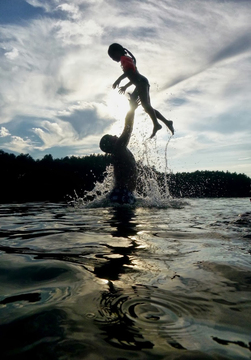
column 152, row 310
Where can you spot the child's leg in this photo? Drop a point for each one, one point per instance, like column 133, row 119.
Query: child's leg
column 134, row 95
column 168, row 123
column 143, row 91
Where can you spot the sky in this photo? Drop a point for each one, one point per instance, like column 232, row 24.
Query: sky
column 56, row 79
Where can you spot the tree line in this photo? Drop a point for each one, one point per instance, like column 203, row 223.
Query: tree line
column 25, row 179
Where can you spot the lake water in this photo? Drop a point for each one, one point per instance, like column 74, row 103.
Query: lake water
column 149, row 282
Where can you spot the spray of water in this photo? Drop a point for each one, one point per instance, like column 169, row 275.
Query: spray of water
column 150, row 191
column 152, row 186
column 97, row 197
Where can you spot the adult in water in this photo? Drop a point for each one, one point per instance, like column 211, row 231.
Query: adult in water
column 124, row 164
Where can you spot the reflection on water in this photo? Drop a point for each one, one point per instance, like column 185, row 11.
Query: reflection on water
column 126, row 283
column 119, row 259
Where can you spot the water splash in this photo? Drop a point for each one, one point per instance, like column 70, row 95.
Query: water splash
column 152, row 186
column 153, row 189
column 97, row 197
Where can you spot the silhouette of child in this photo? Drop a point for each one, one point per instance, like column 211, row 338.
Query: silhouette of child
column 128, row 62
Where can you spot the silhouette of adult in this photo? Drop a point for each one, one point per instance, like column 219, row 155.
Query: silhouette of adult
column 125, row 168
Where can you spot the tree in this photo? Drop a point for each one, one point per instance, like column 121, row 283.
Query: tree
column 24, row 179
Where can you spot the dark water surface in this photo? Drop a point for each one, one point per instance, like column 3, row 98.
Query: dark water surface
column 126, row 283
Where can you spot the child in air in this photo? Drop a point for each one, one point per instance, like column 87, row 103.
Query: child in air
column 128, row 63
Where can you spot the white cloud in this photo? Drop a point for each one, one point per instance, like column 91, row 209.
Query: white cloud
column 12, row 54
column 45, row 4
column 72, row 9
column 18, row 144
column 82, row 32
column 56, row 133
column 4, row 132
column 196, row 55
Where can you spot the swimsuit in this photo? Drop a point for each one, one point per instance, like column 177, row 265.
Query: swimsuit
column 135, row 77
column 127, row 63
column 122, row 196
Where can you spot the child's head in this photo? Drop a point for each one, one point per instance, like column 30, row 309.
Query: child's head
column 115, row 51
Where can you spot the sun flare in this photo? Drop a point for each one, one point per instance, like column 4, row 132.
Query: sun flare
column 118, row 106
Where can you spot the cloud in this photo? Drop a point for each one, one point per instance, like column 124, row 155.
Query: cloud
column 11, row 55
column 240, row 45
column 18, row 144
column 4, row 132
column 55, row 133
column 56, row 77
column 47, row 5
column 72, row 9
column 86, row 122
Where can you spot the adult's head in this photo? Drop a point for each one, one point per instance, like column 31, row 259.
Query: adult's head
column 107, row 143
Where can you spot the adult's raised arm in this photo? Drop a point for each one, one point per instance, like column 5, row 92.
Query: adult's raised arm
column 124, row 138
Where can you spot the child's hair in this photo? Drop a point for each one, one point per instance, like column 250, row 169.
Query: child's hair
column 120, row 49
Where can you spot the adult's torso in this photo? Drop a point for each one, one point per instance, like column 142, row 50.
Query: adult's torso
column 125, row 169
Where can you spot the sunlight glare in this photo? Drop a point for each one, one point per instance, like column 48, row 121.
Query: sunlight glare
column 118, row 106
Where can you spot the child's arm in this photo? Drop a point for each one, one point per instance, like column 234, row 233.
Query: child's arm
column 122, row 89
column 117, row 82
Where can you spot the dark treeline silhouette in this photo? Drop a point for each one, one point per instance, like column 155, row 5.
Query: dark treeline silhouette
column 25, row 179
column 207, row 184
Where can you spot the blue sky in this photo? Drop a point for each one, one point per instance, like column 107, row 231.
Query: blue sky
column 56, row 77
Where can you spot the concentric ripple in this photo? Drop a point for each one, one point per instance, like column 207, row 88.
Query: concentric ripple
column 151, row 309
